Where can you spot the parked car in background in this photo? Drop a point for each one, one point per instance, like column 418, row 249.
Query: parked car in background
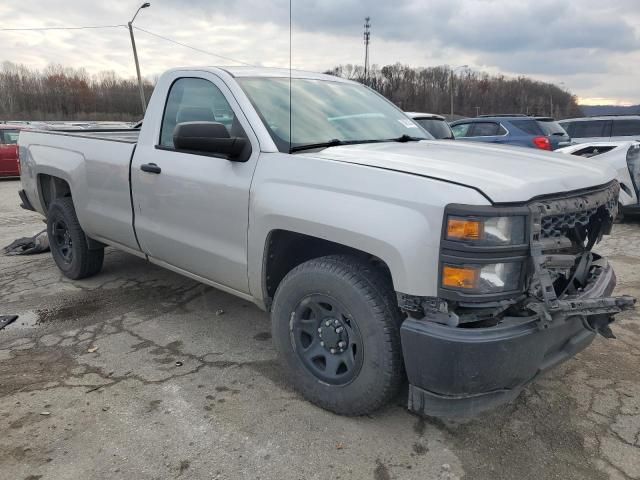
column 603, row 128
column 518, row 130
column 436, row 125
column 552, row 129
column 624, row 157
column 9, row 164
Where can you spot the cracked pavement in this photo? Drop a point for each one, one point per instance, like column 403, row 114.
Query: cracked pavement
column 141, row 373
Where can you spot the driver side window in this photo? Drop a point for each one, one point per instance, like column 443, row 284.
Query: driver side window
column 196, row 100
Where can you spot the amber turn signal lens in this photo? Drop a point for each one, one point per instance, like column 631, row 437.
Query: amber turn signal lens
column 463, row 229
column 460, row 277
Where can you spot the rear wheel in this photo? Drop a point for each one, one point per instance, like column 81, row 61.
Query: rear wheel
column 68, row 242
column 336, row 327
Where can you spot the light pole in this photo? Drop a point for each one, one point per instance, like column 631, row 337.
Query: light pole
column 453, row 70
column 135, row 56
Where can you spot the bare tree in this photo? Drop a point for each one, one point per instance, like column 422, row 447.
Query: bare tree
column 428, row 90
column 63, row 93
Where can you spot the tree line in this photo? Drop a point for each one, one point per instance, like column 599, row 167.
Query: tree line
column 417, row 89
column 63, row 93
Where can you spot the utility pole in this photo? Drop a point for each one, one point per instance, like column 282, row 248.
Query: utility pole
column 367, row 36
column 477, row 111
column 143, row 101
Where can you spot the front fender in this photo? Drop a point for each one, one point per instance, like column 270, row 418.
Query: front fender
column 394, row 216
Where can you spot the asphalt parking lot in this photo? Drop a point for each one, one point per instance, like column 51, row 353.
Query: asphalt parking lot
column 141, row 373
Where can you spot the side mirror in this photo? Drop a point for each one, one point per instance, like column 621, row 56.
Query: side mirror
column 210, row 137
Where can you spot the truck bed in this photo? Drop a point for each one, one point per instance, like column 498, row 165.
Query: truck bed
column 95, row 164
column 126, row 135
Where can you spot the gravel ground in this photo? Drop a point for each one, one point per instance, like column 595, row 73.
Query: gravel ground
column 140, row 373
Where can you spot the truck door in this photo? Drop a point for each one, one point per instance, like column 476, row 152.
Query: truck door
column 191, row 209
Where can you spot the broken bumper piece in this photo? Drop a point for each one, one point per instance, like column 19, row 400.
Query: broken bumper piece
column 26, row 204
column 460, row 372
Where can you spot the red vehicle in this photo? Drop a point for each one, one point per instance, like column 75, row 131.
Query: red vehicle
column 9, row 164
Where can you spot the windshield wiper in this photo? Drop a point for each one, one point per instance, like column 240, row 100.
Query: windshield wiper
column 406, row 138
column 336, row 143
column 331, row 143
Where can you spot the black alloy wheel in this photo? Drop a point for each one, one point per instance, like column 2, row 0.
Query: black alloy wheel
column 326, row 337
column 62, row 241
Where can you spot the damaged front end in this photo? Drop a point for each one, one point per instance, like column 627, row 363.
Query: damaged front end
column 520, row 291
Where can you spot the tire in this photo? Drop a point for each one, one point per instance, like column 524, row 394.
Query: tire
column 363, row 310
column 68, row 242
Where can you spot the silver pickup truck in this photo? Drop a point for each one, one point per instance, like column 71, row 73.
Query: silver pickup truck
column 381, row 255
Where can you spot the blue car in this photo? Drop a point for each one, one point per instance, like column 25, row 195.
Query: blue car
column 519, row 130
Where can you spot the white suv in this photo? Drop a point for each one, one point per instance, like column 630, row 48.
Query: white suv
column 603, row 128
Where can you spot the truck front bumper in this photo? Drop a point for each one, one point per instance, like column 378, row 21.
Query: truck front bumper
column 457, row 372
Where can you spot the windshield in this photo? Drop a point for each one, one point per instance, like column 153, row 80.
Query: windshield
column 325, row 111
column 530, row 126
column 9, row 137
column 436, row 127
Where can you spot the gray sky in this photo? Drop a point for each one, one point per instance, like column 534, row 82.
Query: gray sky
column 593, row 46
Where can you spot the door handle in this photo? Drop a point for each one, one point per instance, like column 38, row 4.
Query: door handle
column 150, row 168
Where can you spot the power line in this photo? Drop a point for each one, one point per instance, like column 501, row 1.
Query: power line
column 31, row 29
column 192, row 47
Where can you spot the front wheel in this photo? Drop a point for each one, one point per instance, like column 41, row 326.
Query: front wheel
column 68, row 242
column 335, row 324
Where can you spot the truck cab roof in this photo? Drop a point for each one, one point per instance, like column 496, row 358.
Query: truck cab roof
column 251, row 71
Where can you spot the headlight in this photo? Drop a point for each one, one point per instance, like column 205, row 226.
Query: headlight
column 487, row 231
column 489, row 278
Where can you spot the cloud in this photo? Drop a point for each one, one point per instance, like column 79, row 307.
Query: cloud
column 479, row 25
column 588, row 44
column 543, row 25
column 543, row 62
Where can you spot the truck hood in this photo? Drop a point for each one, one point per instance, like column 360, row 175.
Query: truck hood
column 503, row 174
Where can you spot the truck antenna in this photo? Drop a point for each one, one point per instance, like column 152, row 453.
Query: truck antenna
column 290, row 109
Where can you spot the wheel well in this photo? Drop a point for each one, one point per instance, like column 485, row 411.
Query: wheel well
column 51, row 188
column 286, row 250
